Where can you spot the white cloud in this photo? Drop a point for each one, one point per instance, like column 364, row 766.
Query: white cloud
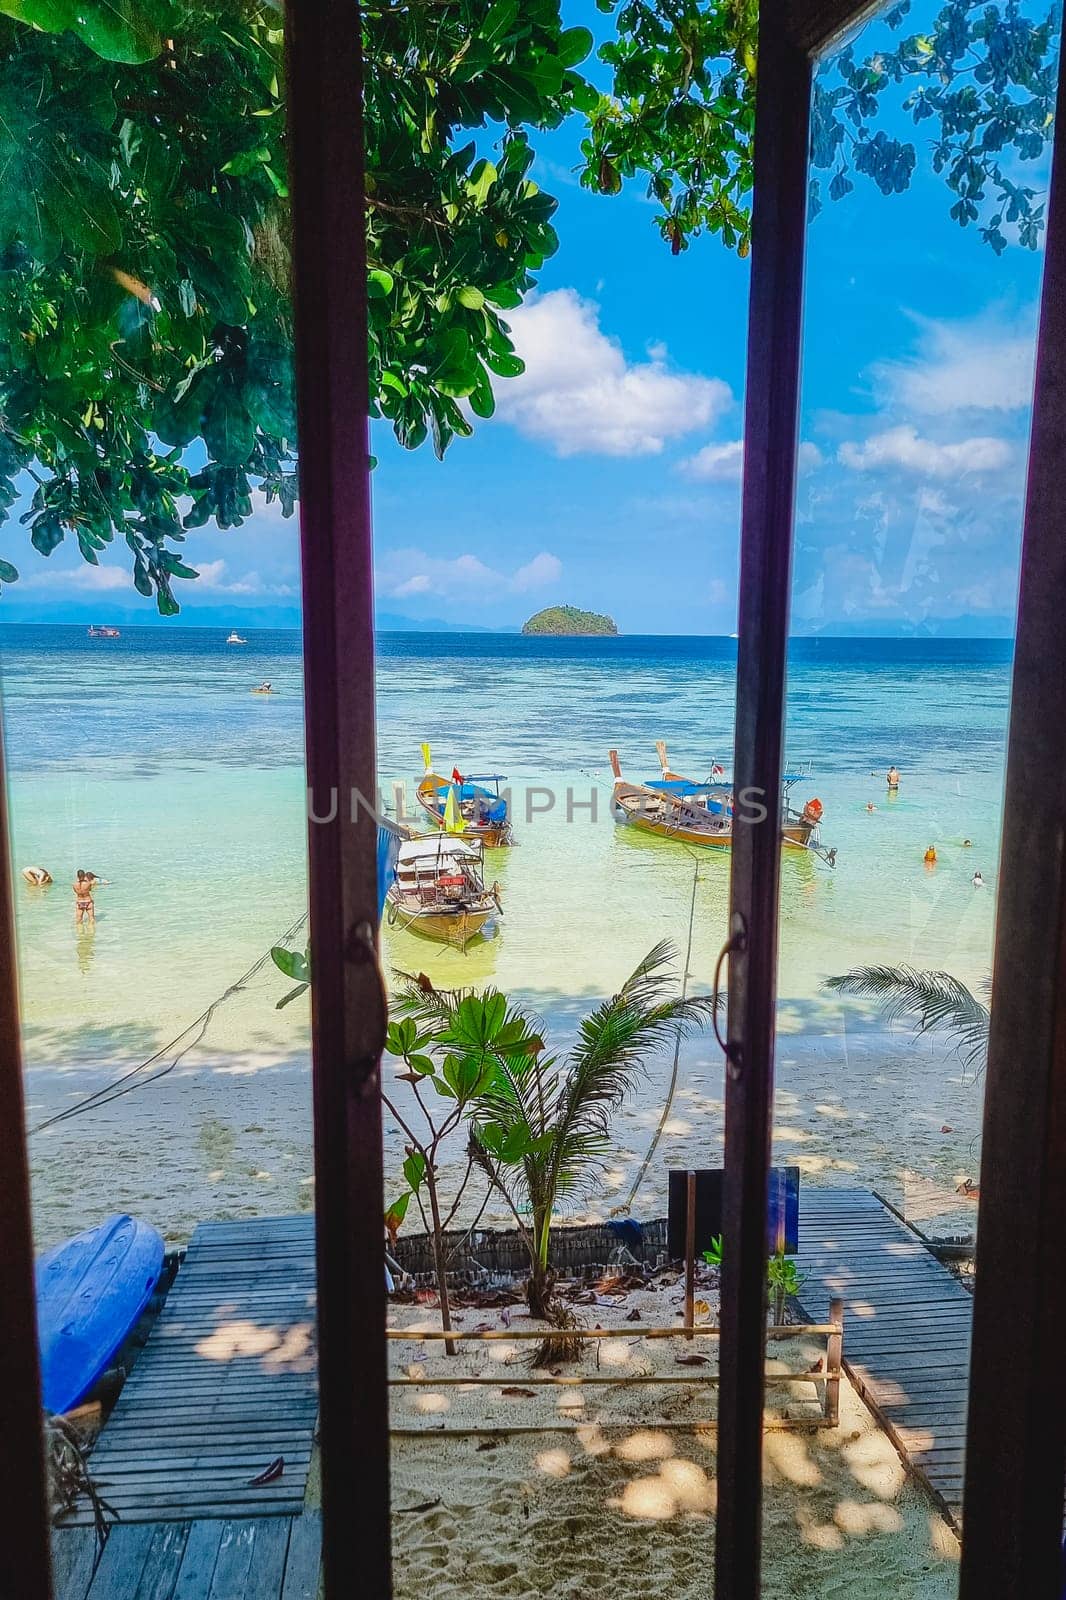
column 978, row 365
column 902, row 447
column 579, row 394
column 403, row 573
column 716, row 463
column 213, row 577
column 86, row 578
column 724, row 463
column 538, row 573
column 419, row 583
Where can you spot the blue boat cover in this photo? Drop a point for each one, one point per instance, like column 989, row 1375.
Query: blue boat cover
column 390, row 838
column 684, row 789
column 90, row 1293
column 495, row 811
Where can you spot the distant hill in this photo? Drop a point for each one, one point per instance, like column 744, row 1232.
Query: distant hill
column 569, row 620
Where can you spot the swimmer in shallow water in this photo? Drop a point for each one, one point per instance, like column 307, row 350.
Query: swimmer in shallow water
column 892, row 777
column 977, row 880
column 84, row 910
column 38, row 877
column 930, row 856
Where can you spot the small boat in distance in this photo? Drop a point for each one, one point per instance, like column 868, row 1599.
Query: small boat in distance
column 101, row 631
column 438, row 890
column 702, row 814
column 235, row 638
column 463, row 805
column 266, row 687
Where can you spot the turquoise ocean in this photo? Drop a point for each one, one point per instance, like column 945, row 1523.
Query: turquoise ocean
column 148, row 760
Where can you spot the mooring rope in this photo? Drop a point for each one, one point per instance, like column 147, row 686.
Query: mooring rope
column 131, row 1079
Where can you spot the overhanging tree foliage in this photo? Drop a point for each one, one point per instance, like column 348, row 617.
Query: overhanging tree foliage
column 978, row 86
column 144, row 263
column 145, row 320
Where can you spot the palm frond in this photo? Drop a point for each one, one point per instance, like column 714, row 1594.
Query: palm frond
column 612, row 1046
column 927, row 1000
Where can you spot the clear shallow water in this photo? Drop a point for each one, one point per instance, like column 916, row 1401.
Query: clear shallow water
column 149, row 760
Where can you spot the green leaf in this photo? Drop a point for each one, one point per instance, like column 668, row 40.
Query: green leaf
column 379, row 283
column 293, row 994
column 481, row 181
column 229, row 432
column 471, row 297
column 574, row 45
column 414, row 1169
column 8, row 573
column 397, row 1211
column 499, row 21
column 117, row 30
column 293, row 963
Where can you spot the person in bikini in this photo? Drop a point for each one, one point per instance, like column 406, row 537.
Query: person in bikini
column 84, row 910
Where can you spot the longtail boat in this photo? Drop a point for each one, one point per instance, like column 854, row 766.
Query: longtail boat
column 703, row 813
column 465, row 805
column 438, row 890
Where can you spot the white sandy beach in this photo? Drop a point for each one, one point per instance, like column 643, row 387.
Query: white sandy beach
column 874, row 1109
column 611, row 1509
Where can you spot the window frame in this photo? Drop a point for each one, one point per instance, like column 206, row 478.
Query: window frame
column 1015, row 1464
column 1014, row 1478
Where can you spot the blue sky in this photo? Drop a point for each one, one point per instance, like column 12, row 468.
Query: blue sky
column 609, row 477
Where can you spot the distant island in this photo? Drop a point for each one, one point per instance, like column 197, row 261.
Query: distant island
column 568, row 619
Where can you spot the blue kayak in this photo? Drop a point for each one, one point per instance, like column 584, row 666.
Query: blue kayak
column 90, row 1293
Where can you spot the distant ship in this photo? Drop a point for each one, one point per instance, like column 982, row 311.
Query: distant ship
column 235, row 638
column 97, row 631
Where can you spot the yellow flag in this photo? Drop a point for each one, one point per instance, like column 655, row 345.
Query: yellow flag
column 425, row 758
column 453, row 817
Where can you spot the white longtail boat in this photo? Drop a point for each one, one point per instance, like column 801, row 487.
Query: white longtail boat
column 439, row 892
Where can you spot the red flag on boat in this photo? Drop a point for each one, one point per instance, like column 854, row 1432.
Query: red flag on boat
column 457, row 776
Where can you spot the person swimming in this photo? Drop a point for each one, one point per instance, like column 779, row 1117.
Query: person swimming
column 892, row 777
column 967, row 844
column 84, row 909
column 870, row 806
column 977, row 880
column 930, row 856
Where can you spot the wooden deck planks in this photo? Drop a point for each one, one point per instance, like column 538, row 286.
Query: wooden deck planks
column 907, row 1328
column 226, row 1383
column 260, row 1558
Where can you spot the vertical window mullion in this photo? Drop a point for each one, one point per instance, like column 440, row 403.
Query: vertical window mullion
column 348, row 1004
column 770, row 441
column 1016, row 1433
column 25, row 1561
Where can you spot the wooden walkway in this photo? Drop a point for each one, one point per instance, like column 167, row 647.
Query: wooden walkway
column 226, row 1384
column 261, row 1558
column 907, row 1327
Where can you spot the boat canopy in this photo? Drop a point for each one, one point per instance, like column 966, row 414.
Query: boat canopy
column 442, row 848
column 494, row 811
column 685, row 789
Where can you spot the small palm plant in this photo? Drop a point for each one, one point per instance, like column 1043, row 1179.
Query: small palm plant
column 929, row 1001
column 541, row 1122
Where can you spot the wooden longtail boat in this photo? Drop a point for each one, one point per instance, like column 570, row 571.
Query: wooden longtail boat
column 702, row 814
column 438, row 890
column 465, row 806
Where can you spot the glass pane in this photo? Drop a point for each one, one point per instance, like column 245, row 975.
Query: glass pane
column 151, row 660
column 929, row 171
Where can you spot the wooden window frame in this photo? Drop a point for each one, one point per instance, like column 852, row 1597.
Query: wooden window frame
column 1017, row 1428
